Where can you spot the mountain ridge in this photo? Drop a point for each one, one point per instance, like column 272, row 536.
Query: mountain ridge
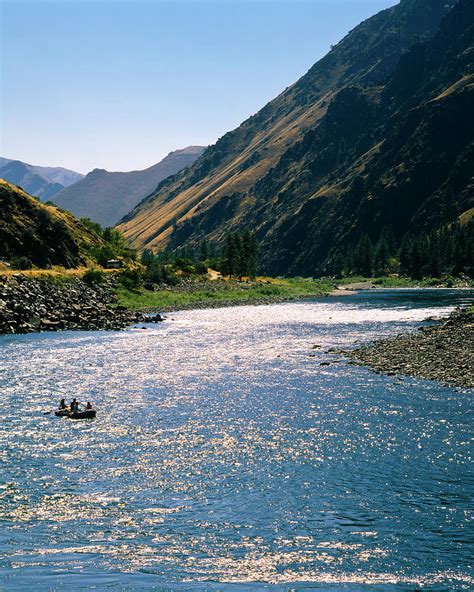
column 106, row 196
column 44, row 182
column 254, row 174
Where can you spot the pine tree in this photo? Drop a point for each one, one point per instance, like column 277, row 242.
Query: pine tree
column 363, row 256
column 434, row 268
column 147, row 257
column 416, row 262
column 240, row 261
column 252, row 256
column 229, row 263
column 381, row 256
column 204, row 251
column 404, row 256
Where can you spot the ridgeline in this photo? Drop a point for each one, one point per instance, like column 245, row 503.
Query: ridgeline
column 377, row 134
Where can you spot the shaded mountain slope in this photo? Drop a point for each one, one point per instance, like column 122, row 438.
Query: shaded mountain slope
column 44, row 182
column 373, row 134
column 43, row 234
column 106, row 197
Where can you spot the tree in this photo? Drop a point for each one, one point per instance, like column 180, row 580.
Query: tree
column 404, row 255
column 147, row 258
column 229, row 263
column 363, row 256
column 381, row 257
column 204, row 251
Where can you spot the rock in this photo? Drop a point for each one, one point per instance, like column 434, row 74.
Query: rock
column 157, row 318
column 31, row 304
column 443, row 352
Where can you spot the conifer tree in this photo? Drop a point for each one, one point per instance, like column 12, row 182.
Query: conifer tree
column 204, row 251
column 404, row 255
column 381, row 256
column 363, row 256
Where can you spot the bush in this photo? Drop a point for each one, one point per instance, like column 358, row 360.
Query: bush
column 132, row 279
column 94, row 276
column 201, row 268
column 184, row 264
column 21, row 263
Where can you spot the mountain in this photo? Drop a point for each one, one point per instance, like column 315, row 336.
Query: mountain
column 64, row 177
column 106, row 197
column 43, row 182
column 41, row 233
column 379, row 132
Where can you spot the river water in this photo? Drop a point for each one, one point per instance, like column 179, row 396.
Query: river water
column 225, row 457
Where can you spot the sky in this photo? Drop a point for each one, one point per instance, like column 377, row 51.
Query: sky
column 118, row 84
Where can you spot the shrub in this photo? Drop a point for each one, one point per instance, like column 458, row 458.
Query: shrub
column 132, row 279
column 21, row 263
column 94, row 276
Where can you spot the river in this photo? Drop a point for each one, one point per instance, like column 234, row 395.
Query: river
column 224, row 456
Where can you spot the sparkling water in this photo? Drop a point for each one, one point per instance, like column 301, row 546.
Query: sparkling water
column 225, row 457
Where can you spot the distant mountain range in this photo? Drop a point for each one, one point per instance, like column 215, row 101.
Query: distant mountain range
column 106, row 197
column 43, row 182
column 379, row 132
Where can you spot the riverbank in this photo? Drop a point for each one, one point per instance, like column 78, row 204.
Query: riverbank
column 51, row 303
column 443, row 352
column 54, row 302
column 49, row 300
column 198, row 293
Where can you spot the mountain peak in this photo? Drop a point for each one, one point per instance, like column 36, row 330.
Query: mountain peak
column 41, row 181
column 107, row 196
column 342, row 151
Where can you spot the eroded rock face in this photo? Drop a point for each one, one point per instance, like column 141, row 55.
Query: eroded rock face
column 44, row 304
column 443, row 352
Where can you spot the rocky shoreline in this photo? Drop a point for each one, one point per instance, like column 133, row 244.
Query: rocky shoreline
column 443, row 352
column 30, row 305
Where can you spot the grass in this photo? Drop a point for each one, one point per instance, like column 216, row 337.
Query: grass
column 220, row 292
column 55, row 272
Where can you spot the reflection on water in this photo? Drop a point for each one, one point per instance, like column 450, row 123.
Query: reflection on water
column 224, row 456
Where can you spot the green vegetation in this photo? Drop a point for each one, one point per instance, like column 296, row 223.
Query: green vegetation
column 444, row 253
column 94, row 276
column 21, row 263
column 223, row 292
column 33, row 234
column 111, row 244
column 239, row 257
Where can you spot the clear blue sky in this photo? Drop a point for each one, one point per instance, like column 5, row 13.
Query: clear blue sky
column 118, row 84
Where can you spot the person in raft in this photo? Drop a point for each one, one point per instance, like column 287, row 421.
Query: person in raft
column 89, row 405
column 74, row 406
column 62, row 404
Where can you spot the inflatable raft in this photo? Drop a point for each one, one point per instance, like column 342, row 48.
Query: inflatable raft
column 86, row 414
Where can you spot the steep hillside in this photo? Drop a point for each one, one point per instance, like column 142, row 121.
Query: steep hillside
column 40, row 233
column 44, row 182
column 106, row 197
column 378, row 132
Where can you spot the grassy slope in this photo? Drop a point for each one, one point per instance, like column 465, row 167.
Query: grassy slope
column 40, row 232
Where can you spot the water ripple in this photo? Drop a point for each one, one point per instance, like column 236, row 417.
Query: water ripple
column 224, row 456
